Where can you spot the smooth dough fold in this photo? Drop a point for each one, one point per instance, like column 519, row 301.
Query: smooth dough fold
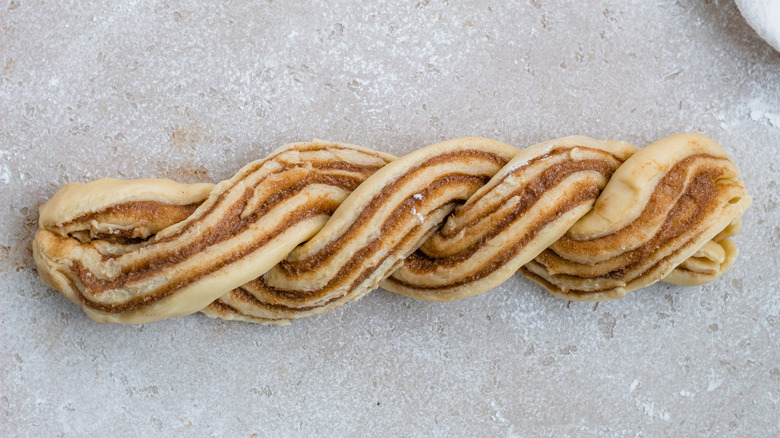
column 316, row 225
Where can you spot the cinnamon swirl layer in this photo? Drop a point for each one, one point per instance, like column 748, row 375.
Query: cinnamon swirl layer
column 246, row 225
column 529, row 205
column 387, row 218
column 666, row 207
column 316, row 225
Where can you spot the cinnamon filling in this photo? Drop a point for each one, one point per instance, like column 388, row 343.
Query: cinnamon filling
column 667, row 189
column 154, row 215
column 698, row 202
column 421, row 263
column 96, row 286
column 232, row 224
column 553, row 153
column 528, row 196
column 295, row 268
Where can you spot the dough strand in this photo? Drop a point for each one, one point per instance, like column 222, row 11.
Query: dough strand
column 316, row 225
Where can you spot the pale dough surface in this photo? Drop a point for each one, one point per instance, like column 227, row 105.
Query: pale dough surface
column 260, row 247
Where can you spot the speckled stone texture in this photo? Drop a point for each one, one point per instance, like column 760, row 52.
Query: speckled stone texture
column 195, row 90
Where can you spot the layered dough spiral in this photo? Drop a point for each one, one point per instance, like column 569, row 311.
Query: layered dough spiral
column 316, row 225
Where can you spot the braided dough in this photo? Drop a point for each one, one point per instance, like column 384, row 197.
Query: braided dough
column 316, row 225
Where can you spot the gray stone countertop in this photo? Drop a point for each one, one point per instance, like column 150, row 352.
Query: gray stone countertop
column 194, row 90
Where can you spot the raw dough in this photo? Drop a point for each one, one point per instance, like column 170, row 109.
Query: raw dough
column 316, row 225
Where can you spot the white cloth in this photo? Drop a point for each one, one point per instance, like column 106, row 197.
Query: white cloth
column 764, row 17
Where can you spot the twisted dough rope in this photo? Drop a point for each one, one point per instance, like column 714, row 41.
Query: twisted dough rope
column 588, row 220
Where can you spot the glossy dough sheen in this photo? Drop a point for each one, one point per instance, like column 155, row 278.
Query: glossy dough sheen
column 316, row 225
